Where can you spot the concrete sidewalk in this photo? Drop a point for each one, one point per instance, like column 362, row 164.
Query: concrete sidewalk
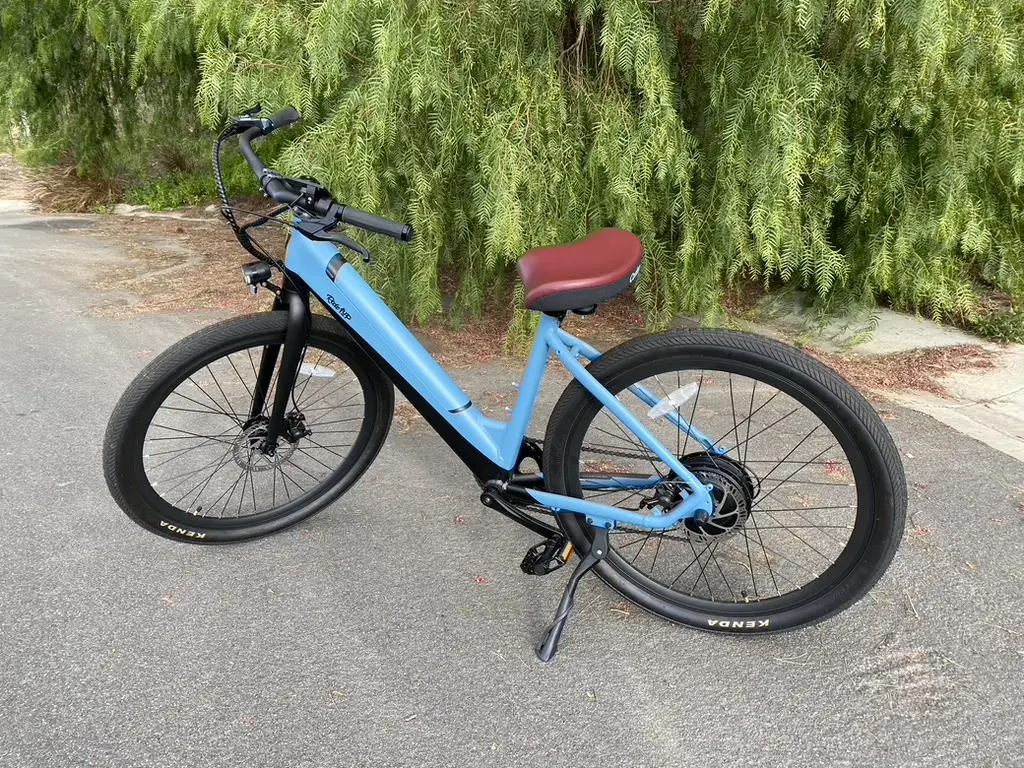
column 987, row 405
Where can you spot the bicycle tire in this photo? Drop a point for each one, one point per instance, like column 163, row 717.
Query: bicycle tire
column 123, row 449
column 881, row 509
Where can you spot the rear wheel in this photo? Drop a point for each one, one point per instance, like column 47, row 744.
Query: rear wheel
column 182, row 455
column 810, row 495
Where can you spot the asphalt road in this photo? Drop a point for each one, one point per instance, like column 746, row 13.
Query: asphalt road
column 364, row 638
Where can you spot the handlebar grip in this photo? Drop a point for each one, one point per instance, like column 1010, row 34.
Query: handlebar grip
column 378, row 224
column 284, row 118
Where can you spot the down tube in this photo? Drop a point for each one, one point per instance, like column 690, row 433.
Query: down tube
column 369, row 318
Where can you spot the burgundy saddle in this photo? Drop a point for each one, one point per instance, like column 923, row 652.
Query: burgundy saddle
column 579, row 275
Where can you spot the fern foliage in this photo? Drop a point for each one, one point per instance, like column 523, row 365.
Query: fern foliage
column 847, row 147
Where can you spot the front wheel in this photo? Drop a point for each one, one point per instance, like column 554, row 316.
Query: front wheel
column 809, row 492
column 182, row 454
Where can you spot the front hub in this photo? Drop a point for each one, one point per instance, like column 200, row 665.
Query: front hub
column 250, row 454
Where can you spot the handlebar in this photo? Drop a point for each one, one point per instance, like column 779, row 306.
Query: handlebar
column 288, row 192
column 369, row 222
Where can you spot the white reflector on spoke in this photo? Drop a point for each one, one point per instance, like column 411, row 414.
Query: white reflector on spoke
column 319, row 371
column 673, row 401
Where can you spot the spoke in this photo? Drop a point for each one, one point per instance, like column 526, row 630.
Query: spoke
column 268, row 400
column 207, row 411
column 224, row 461
column 309, row 378
column 225, row 492
column 314, row 458
column 241, row 496
column 634, row 442
column 808, row 544
column 183, row 476
column 286, row 476
column 657, row 551
column 252, row 488
column 630, row 544
column 788, row 560
column 703, row 571
column 696, row 560
column 693, row 413
column 764, row 549
column 621, row 501
column 795, row 461
column 802, row 518
column 304, row 471
column 252, row 364
column 678, row 431
column 337, row 421
column 761, row 499
column 787, row 527
column 180, row 451
column 809, row 509
column 750, row 560
column 725, row 578
column 747, row 420
column 813, row 482
column 324, row 397
column 329, row 447
column 732, row 403
column 187, row 434
column 630, row 443
column 217, row 406
column 244, row 385
column 635, row 556
column 750, row 415
column 227, row 401
column 346, row 404
column 746, row 442
column 232, row 493
column 217, row 410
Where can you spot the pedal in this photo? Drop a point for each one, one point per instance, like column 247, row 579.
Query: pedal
column 547, row 556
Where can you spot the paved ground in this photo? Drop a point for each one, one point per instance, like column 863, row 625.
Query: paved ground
column 362, row 637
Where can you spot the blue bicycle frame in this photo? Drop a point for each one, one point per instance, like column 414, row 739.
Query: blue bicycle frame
column 492, row 449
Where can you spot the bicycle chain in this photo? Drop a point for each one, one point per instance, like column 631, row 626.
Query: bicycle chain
column 628, row 455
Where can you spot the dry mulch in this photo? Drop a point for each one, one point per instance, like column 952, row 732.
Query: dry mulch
column 920, row 369
column 176, row 266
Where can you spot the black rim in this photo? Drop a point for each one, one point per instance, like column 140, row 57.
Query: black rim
column 199, row 461
column 811, row 490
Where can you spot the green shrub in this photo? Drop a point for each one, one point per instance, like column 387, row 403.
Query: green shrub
column 1005, row 326
column 865, row 148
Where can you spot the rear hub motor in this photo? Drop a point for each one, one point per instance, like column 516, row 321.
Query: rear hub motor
column 732, row 492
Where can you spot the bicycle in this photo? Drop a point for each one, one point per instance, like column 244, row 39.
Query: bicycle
column 625, row 479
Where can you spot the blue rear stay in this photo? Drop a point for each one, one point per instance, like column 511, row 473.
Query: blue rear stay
column 359, row 307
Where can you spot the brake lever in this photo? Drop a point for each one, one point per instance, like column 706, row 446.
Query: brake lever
column 249, row 119
column 352, row 245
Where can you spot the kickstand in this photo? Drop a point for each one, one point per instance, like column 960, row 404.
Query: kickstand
column 548, row 645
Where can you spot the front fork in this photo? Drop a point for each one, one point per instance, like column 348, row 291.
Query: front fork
column 293, row 297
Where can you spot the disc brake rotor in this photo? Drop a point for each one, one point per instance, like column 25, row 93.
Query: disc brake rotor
column 247, row 453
